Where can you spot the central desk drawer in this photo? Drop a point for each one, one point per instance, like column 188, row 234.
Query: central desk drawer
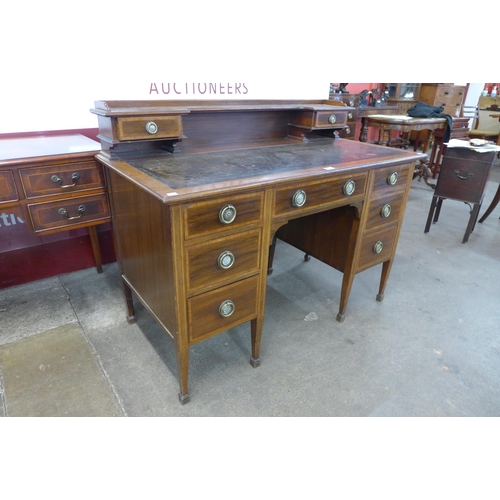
column 217, row 311
column 70, row 212
column 45, row 181
column 306, row 195
column 221, row 214
column 223, row 259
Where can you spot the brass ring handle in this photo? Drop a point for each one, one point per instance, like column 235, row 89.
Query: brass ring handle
column 227, row 308
column 299, row 198
column 64, row 212
column 349, row 115
column 332, row 119
column 347, row 130
column 151, row 128
column 463, row 177
column 227, row 214
column 58, row 180
column 377, row 248
column 349, row 187
column 392, row 178
column 225, row 260
column 385, row 210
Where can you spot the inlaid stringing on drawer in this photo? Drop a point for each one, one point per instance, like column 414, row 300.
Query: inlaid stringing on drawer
column 8, row 191
column 305, row 195
column 221, row 214
column 392, row 177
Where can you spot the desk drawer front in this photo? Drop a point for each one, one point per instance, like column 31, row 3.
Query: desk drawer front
column 70, row 212
column 384, row 210
column 306, row 195
column 45, row 181
column 204, row 217
column 8, row 191
column 223, row 259
column 329, row 119
column 377, row 247
column 217, row 311
column 392, row 178
column 153, row 127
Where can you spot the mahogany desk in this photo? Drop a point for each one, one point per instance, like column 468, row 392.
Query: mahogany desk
column 200, row 189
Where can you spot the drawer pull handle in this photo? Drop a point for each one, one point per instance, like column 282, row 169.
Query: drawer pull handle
column 392, row 178
column 347, row 130
column 349, row 115
column 299, row 198
column 227, row 308
column 377, row 248
column 461, row 175
column 58, row 180
column 227, row 214
column 351, row 103
column 386, row 210
column 349, row 188
column 332, row 119
column 64, row 213
column 151, row 128
column 225, row 260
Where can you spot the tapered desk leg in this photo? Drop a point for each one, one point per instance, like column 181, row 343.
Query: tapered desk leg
column 492, row 206
column 386, row 270
column 183, row 366
column 128, row 302
column 256, row 326
column 95, row 248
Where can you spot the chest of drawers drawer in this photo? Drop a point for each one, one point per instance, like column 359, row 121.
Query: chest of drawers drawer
column 8, row 191
column 68, row 213
column 61, row 179
column 225, row 259
column 303, row 196
column 220, row 214
column 219, row 310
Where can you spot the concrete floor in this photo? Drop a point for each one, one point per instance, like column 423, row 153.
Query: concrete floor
column 431, row 348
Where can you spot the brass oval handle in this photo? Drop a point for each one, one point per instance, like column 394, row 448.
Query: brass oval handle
column 377, row 248
column 347, row 130
column 65, row 213
column 349, row 187
column 332, row 119
column 227, row 214
column 349, row 115
column 227, row 308
column 351, row 103
column 386, row 210
column 225, row 260
column 461, row 175
column 392, row 178
column 299, row 198
column 56, row 179
column 151, row 128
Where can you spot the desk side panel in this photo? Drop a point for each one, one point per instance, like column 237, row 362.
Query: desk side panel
column 144, row 242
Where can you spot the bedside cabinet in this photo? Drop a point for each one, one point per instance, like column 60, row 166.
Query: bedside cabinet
column 56, row 183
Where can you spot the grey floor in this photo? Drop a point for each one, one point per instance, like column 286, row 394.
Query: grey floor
column 431, row 348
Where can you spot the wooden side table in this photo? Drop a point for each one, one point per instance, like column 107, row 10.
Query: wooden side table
column 462, row 177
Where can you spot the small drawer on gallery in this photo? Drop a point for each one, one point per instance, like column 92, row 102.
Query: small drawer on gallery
column 69, row 212
column 306, row 195
column 385, row 209
column 223, row 259
column 392, row 177
column 8, row 191
column 46, row 181
column 219, row 310
column 133, row 128
column 377, row 247
column 311, row 119
column 221, row 214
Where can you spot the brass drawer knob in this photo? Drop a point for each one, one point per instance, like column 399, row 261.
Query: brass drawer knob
column 377, row 248
column 386, row 210
column 225, row 260
column 57, row 180
column 151, row 128
column 227, row 308
column 349, row 188
column 227, row 214
column 349, row 115
column 332, row 119
column 392, row 178
column 299, row 198
column 65, row 213
column 347, row 130
column 351, row 103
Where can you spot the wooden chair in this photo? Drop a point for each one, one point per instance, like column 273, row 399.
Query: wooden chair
column 483, row 126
